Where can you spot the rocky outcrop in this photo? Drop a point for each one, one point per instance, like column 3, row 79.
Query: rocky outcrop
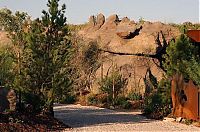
column 92, row 21
column 111, row 22
column 100, row 20
column 128, row 36
column 95, row 23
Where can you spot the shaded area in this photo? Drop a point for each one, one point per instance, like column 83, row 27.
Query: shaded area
column 18, row 122
column 90, row 116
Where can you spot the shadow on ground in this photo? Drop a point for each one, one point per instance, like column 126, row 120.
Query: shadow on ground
column 86, row 116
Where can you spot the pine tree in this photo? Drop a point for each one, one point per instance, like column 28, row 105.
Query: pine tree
column 47, row 55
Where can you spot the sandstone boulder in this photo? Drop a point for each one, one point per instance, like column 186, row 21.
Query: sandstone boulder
column 100, row 20
column 92, row 21
column 113, row 18
column 111, row 23
column 125, row 20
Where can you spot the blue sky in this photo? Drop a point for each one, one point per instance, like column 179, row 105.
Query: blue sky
column 78, row 11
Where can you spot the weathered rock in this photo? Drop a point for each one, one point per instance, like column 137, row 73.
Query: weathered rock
column 125, row 20
column 92, row 21
column 126, row 36
column 113, row 18
column 100, row 20
column 127, row 31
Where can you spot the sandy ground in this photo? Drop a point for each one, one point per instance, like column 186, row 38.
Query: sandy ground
column 90, row 118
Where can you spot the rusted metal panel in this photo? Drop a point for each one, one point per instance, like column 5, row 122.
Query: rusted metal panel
column 184, row 98
column 194, row 35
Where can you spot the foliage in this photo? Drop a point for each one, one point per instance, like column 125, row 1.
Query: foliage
column 6, row 62
column 47, row 55
column 157, row 105
column 141, row 20
column 33, row 100
column 85, row 63
column 113, row 84
column 41, row 53
column 182, row 57
column 98, row 99
column 188, row 121
column 183, row 28
column 92, row 100
column 134, row 96
column 68, row 99
column 122, row 102
column 15, row 25
column 75, row 28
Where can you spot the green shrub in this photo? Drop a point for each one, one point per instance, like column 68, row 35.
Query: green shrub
column 134, row 96
column 122, row 102
column 188, row 121
column 114, row 80
column 157, row 104
column 126, row 105
column 69, row 99
column 92, row 100
column 32, row 99
column 102, row 98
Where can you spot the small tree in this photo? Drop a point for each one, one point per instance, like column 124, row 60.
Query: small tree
column 113, row 84
column 15, row 25
column 183, row 58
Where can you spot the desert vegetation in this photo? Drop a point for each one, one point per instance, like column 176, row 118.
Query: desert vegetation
column 48, row 61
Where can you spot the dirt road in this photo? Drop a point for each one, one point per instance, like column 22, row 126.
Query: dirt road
column 90, row 118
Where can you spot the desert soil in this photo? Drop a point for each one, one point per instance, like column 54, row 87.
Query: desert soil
column 91, row 118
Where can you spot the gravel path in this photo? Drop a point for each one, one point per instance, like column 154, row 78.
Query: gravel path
column 90, row 118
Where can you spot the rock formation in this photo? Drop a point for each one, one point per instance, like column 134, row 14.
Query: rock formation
column 127, row 36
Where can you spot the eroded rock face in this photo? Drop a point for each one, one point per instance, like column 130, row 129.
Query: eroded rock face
column 130, row 37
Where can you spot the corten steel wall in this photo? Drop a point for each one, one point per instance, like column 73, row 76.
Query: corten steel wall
column 184, row 105
column 194, row 35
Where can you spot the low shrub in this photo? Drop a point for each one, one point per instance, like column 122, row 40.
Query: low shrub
column 155, row 108
column 102, row 98
column 122, row 102
column 69, row 99
column 92, row 100
column 157, row 104
column 134, row 96
column 30, row 99
column 115, row 80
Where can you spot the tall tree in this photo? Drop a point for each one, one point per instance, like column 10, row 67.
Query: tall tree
column 47, row 54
